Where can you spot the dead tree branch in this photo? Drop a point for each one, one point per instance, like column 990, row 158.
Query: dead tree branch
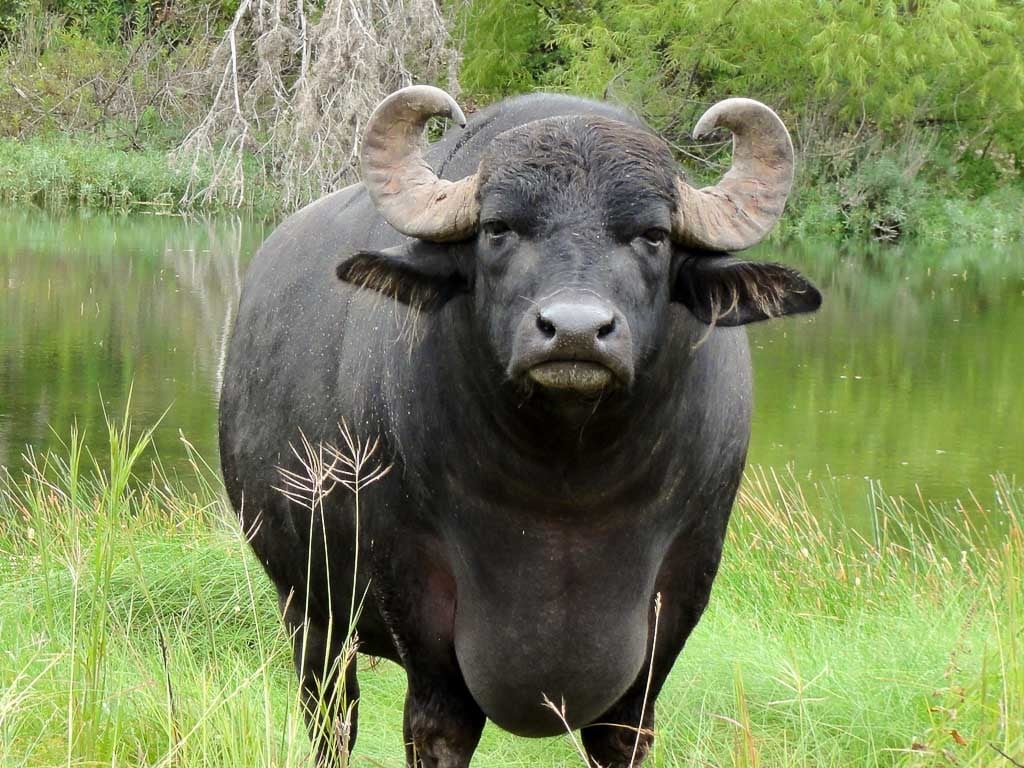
column 293, row 85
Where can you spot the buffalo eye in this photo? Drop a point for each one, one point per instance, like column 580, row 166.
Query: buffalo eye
column 496, row 231
column 654, row 237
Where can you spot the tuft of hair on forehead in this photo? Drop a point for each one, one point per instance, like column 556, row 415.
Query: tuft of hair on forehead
column 596, row 160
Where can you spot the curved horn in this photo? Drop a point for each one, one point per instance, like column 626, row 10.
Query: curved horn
column 403, row 186
column 745, row 204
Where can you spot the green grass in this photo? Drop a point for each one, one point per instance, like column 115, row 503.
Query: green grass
column 137, row 629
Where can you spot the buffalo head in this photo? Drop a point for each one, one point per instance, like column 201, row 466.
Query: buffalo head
column 575, row 235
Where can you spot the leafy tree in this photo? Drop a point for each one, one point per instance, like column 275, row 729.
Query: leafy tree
column 886, row 63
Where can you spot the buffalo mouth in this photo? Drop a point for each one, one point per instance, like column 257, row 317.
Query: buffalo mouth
column 581, row 376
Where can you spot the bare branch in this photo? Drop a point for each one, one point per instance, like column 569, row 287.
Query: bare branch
column 294, row 93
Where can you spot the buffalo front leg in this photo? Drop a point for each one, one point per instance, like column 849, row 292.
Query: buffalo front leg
column 442, row 724
column 624, row 737
column 321, row 662
column 417, row 594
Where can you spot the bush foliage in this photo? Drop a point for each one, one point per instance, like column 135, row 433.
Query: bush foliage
column 117, row 70
column 875, row 93
column 264, row 100
column 116, row 21
column 884, row 63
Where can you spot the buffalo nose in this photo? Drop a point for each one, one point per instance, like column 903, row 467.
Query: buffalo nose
column 576, row 324
column 573, row 340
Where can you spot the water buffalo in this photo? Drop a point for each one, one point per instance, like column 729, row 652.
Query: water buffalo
column 538, row 319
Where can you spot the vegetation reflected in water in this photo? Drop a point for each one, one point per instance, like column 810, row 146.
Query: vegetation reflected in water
column 94, row 308
column 910, row 375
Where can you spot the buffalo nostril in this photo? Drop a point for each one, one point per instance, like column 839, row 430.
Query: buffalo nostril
column 545, row 326
column 606, row 329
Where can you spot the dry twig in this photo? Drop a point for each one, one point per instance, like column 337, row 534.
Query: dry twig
column 294, row 84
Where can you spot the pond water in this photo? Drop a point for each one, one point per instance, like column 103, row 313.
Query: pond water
column 911, row 375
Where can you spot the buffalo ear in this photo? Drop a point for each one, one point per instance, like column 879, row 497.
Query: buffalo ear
column 725, row 291
column 421, row 274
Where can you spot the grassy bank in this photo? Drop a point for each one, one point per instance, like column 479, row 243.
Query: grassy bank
column 881, row 202
column 83, row 171
column 60, row 172
column 137, row 629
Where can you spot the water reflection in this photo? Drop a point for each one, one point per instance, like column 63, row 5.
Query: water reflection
column 103, row 306
column 909, row 375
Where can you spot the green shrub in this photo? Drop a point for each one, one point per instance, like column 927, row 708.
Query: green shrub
column 890, row 63
column 891, row 103
column 116, row 67
column 109, row 22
